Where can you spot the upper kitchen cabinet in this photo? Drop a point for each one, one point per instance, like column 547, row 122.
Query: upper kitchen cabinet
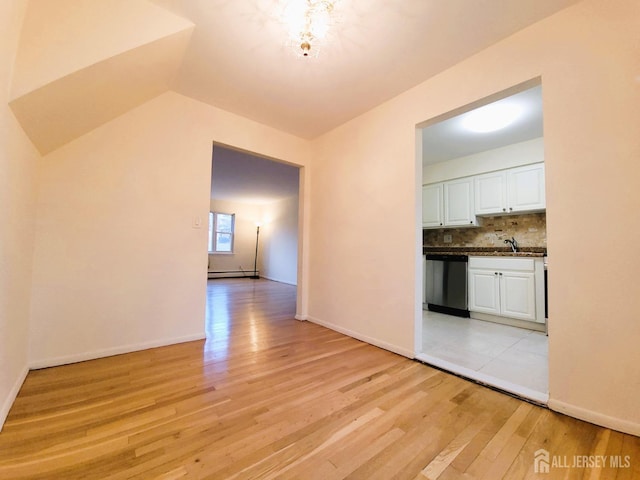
column 432, row 209
column 491, row 193
column 525, row 188
column 515, row 190
column 448, row 204
column 458, row 203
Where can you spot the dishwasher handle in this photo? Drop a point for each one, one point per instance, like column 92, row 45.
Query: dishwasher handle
column 448, row 258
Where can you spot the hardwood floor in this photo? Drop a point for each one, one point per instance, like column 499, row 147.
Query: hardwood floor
column 268, row 397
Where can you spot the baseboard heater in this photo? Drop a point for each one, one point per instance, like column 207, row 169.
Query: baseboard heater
column 231, row 274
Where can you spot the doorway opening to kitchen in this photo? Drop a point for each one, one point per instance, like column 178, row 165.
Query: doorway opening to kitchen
column 484, row 242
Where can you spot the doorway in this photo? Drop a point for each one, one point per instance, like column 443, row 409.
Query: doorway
column 255, row 218
column 483, row 188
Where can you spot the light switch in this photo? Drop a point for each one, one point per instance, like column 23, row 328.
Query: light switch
column 447, row 238
column 197, row 221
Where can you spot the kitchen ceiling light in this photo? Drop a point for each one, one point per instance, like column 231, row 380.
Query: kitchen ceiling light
column 492, row 117
column 308, row 22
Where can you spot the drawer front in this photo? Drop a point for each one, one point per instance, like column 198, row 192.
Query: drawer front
column 502, row 263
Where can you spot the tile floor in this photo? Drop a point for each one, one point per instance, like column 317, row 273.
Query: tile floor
column 514, row 355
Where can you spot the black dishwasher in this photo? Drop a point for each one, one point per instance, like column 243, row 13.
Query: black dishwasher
column 446, row 284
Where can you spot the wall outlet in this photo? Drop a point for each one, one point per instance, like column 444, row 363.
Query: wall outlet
column 448, row 239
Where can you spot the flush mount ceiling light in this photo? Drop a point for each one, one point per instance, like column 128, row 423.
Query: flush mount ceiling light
column 308, row 22
column 492, row 117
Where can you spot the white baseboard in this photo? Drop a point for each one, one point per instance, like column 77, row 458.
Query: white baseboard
column 301, row 317
column 590, row 416
column 512, row 322
column 365, row 338
column 273, row 279
column 13, row 393
column 82, row 357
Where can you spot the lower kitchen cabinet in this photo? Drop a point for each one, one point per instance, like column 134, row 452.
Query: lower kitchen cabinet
column 505, row 287
column 484, row 291
column 517, row 295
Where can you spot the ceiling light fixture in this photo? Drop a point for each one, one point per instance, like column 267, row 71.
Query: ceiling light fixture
column 492, row 117
column 308, row 22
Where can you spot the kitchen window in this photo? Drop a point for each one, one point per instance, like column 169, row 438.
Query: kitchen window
column 221, row 232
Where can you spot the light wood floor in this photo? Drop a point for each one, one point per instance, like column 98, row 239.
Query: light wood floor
column 267, row 396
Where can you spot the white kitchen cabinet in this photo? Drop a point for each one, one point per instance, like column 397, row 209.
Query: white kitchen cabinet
column 458, row 203
column 505, row 287
column 424, row 279
column 525, row 188
column 432, row 205
column 517, row 295
column 448, row 204
column 491, row 193
column 520, row 189
column 484, row 292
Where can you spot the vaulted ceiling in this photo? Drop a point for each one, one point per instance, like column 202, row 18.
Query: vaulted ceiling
column 81, row 63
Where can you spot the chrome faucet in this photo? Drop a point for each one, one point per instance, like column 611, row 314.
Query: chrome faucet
column 513, row 243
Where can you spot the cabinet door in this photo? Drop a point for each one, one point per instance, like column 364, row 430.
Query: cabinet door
column 432, row 205
column 484, row 295
column 458, row 202
column 525, row 186
column 518, row 295
column 491, row 193
column 424, row 279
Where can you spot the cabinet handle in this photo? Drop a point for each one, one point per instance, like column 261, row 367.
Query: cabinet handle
column 440, row 223
column 504, row 209
column 510, row 208
column 500, row 273
column 495, row 273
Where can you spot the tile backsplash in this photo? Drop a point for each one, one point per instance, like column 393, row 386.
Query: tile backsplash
column 530, row 230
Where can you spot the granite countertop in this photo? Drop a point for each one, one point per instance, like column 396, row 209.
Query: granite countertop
column 486, row 251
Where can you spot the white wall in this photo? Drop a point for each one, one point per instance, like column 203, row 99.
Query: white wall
column 365, row 194
column 279, row 244
column 363, row 230
column 118, row 265
column 515, row 155
column 117, row 200
column 244, row 245
column 18, row 161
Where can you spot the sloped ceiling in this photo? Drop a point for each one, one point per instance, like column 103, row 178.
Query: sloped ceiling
column 238, row 59
column 83, row 62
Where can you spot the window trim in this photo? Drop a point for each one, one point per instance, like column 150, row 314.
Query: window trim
column 213, row 233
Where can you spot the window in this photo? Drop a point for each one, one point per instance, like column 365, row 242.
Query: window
column 221, row 231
